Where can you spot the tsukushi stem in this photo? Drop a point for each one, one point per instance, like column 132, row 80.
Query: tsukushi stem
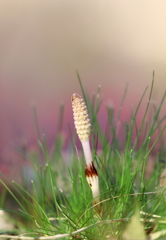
column 87, row 152
column 92, row 179
column 82, row 125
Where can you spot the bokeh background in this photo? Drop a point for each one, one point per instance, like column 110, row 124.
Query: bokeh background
column 43, row 43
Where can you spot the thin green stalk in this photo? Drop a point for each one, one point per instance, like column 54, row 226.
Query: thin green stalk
column 159, row 123
column 82, row 89
column 16, row 199
column 144, row 159
column 143, row 120
column 155, row 141
column 98, row 103
column 60, row 119
column 151, row 130
column 38, row 205
column 132, row 123
column 122, row 101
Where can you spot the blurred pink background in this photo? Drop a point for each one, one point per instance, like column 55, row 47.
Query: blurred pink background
column 44, row 42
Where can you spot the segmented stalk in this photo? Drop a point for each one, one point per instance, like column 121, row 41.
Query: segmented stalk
column 83, row 128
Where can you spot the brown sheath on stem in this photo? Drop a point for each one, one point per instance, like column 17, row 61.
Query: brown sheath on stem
column 90, row 171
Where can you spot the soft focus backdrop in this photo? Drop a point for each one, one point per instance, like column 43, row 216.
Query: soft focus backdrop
column 44, row 42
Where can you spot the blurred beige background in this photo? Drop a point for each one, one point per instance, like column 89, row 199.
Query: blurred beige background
column 42, row 43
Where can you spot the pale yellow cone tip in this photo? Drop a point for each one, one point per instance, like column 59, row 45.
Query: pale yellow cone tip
column 81, row 117
column 74, row 96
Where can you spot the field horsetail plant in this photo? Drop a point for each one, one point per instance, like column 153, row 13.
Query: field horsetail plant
column 62, row 199
column 83, row 128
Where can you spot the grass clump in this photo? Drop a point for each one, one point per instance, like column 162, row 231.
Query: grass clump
column 60, row 203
